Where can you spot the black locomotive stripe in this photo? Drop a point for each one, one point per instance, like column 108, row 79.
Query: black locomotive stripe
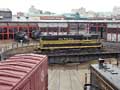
column 61, row 45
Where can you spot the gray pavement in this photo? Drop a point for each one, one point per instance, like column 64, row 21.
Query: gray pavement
column 66, row 77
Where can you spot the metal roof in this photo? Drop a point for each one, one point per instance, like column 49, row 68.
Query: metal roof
column 5, row 9
column 63, row 21
column 111, row 73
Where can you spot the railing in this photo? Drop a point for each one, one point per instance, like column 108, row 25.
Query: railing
column 15, row 46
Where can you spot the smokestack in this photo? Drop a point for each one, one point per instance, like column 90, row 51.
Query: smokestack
column 101, row 62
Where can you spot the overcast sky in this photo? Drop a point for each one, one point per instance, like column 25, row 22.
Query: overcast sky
column 59, row 6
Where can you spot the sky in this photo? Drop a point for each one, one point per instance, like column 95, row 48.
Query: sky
column 59, row 6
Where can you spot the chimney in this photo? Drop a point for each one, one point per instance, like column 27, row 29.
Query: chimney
column 101, row 62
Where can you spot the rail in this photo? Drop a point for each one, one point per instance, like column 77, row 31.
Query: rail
column 16, row 48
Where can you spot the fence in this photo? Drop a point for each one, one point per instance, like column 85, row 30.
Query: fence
column 16, row 48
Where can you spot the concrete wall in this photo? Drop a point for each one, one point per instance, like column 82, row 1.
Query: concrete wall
column 19, row 50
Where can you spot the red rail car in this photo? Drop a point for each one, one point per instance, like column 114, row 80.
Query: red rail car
column 24, row 72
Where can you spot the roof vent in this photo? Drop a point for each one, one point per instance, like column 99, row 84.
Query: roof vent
column 101, row 62
column 113, row 72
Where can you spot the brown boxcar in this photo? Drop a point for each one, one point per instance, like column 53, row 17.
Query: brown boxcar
column 24, row 72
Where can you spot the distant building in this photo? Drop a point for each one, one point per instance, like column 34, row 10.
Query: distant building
column 97, row 15
column 33, row 10
column 90, row 14
column 5, row 14
column 36, row 14
column 81, row 11
column 73, row 16
column 116, row 10
column 19, row 14
column 52, row 17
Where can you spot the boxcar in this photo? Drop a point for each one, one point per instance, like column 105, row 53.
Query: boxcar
column 24, row 72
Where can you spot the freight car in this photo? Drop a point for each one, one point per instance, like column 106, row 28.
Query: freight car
column 21, row 36
column 59, row 48
column 24, row 72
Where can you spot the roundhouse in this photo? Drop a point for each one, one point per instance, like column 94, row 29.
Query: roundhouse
column 108, row 29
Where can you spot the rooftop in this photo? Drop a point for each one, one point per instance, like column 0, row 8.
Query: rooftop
column 4, row 9
column 111, row 73
column 61, row 21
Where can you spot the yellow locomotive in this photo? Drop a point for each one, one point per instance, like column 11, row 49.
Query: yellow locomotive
column 64, row 42
column 63, row 49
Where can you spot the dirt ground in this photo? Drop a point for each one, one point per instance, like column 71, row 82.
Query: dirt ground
column 3, row 43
